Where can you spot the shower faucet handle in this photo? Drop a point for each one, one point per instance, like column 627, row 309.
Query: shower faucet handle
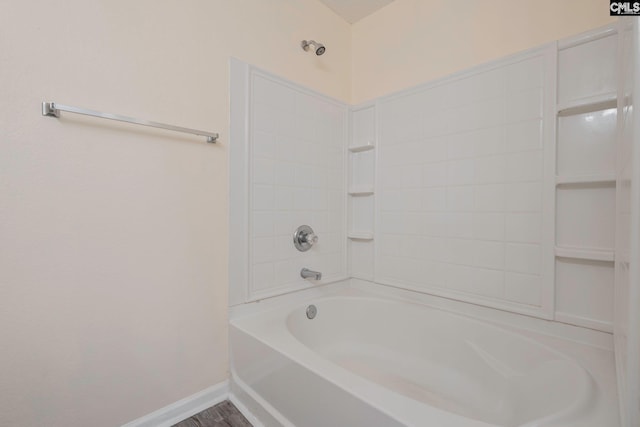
column 311, row 238
column 304, row 238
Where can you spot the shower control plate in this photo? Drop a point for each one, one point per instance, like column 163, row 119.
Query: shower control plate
column 304, row 238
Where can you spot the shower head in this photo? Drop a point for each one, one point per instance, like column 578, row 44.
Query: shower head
column 319, row 47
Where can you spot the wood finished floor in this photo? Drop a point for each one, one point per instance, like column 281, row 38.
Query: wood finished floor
column 224, row 414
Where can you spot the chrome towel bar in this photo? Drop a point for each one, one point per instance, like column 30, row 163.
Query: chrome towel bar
column 52, row 109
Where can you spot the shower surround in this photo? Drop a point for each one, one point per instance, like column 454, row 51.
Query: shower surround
column 493, row 187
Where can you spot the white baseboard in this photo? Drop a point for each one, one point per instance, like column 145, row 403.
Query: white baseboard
column 184, row 408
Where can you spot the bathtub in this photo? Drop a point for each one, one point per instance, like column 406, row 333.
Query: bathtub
column 367, row 359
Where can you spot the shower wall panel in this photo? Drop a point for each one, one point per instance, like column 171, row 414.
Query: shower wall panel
column 466, row 186
column 295, row 175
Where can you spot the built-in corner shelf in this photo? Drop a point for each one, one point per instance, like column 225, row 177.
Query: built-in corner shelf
column 586, row 254
column 586, row 179
column 588, row 104
column 361, row 191
column 360, row 235
column 369, row 145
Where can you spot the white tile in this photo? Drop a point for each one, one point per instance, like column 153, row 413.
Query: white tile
column 434, row 273
column 524, row 136
column 435, row 249
column 524, row 227
column 390, row 244
column 524, row 197
column 284, row 173
column 436, row 123
column 434, row 174
column 335, row 200
column 523, row 288
column 391, row 200
column 489, row 226
column 333, row 264
column 267, row 119
column 461, row 146
column 283, row 248
column 283, row 198
column 435, row 224
column 476, row 280
column 526, row 166
column 319, row 199
column 434, row 199
column 460, row 199
column 272, row 94
column 489, row 84
column 263, row 224
column 411, row 176
column 283, row 223
column 262, row 276
column 411, row 200
column 489, row 283
column 460, row 225
column 262, row 171
column 391, row 223
column 523, row 258
column 411, row 246
column 460, row 172
column 286, row 271
column 286, row 149
column 489, row 254
column 389, row 175
column 335, row 180
column 489, row 198
column 488, row 142
column 490, row 170
column 525, row 74
column 319, row 177
column 302, row 199
column 461, row 252
column 320, row 222
column 263, row 144
column 433, row 150
column 262, row 198
column 460, row 277
column 336, row 220
column 303, row 176
column 526, row 105
column 263, row 249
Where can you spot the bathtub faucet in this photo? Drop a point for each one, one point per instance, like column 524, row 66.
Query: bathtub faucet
column 305, row 273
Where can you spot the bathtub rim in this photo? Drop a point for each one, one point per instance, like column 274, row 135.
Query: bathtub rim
column 505, row 319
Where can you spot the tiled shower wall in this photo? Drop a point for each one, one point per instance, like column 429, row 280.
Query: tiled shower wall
column 296, row 153
column 461, row 171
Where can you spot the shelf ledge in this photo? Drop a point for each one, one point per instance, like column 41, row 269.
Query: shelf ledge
column 362, row 147
column 360, row 235
column 588, row 254
column 586, row 179
column 361, row 191
column 589, row 104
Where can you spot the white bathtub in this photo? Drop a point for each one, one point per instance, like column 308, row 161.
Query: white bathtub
column 371, row 361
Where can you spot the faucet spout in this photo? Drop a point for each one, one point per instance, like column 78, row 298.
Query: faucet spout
column 305, row 273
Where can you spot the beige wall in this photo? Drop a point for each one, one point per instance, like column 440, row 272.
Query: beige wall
column 113, row 239
column 413, row 41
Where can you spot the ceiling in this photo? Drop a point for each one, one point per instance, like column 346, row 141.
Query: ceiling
column 354, row 10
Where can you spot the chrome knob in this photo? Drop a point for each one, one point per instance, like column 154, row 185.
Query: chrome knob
column 304, row 238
